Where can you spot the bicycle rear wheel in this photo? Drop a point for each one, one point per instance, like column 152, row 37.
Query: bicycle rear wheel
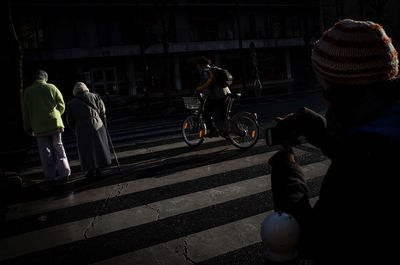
column 193, row 130
column 244, row 130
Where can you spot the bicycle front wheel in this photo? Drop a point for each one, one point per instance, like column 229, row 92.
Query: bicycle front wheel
column 193, row 130
column 244, row 130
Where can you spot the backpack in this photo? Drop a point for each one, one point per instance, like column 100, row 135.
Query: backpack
column 222, row 76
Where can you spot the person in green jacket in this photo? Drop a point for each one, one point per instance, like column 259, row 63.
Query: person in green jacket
column 42, row 110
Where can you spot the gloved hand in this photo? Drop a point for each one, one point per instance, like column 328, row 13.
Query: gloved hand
column 306, row 123
column 314, row 128
column 286, row 131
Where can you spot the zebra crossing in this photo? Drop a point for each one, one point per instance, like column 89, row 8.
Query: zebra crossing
column 169, row 204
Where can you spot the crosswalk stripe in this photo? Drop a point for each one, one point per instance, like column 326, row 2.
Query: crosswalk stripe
column 164, row 147
column 196, row 247
column 121, row 135
column 121, row 202
column 142, row 151
column 144, row 125
column 99, row 225
column 166, row 131
column 199, row 214
column 48, row 204
column 200, row 246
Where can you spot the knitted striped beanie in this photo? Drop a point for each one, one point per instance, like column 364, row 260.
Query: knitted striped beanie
column 355, row 52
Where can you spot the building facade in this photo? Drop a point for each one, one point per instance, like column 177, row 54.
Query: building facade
column 384, row 12
column 129, row 47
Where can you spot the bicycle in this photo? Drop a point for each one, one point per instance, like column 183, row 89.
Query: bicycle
column 242, row 129
column 254, row 85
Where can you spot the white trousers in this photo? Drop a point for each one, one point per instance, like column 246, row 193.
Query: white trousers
column 53, row 157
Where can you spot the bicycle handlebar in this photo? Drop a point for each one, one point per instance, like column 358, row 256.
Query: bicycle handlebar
column 235, row 96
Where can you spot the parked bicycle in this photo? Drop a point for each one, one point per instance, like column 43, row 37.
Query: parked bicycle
column 242, row 129
column 254, row 85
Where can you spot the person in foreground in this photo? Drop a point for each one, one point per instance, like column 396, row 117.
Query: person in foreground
column 42, row 109
column 353, row 220
column 86, row 116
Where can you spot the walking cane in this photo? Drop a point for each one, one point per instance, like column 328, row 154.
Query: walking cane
column 105, row 125
column 113, row 149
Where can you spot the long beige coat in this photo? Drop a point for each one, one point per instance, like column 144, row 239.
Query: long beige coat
column 90, row 131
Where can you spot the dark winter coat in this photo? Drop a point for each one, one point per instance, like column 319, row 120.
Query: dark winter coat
column 354, row 220
column 90, row 131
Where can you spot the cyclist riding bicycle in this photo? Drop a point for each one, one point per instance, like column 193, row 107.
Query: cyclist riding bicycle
column 217, row 96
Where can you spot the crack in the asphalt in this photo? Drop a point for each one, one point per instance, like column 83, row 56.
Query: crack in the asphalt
column 98, row 215
column 186, row 253
column 156, row 210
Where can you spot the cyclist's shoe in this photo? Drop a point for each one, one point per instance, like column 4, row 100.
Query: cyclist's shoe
column 90, row 175
column 224, row 134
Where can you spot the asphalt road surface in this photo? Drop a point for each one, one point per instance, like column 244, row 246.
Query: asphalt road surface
column 170, row 204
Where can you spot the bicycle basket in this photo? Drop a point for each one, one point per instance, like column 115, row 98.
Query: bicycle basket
column 191, row 102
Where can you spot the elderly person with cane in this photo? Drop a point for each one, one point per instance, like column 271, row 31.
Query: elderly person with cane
column 86, row 116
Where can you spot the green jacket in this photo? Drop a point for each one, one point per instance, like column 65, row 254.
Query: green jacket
column 43, row 107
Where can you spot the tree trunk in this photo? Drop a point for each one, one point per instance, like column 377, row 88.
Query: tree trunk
column 143, row 42
column 17, row 49
column 306, row 38
column 167, row 67
column 242, row 59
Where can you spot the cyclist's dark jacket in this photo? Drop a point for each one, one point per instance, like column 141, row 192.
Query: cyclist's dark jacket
column 206, row 81
column 355, row 219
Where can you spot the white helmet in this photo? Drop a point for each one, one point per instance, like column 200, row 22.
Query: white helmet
column 280, row 234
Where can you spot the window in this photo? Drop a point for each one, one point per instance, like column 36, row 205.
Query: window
column 109, row 32
column 207, row 31
column 252, row 27
column 86, row 32
column 292, row 26
column 225, row 31
column 204, row 26
column 31, row 32
column 105, row 81
column 398, row 25
column 273, row 26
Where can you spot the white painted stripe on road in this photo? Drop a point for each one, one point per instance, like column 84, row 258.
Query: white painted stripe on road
column 91, row 227
column 199, row 246
column 34, row 207
column 146, row 134
column 136, row 152
column 126, row 134
column 165, row 147
column 143, row 125
column 49, row 204
column 133, row 127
